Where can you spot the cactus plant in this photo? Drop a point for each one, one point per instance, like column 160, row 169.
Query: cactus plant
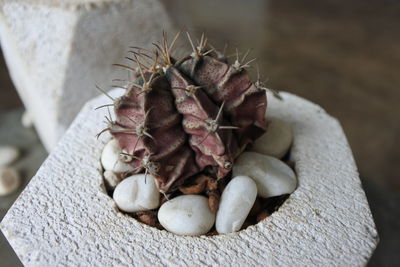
column 179, row 118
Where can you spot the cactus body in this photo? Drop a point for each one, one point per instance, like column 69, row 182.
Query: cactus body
column 179, row 118
column 245, row 104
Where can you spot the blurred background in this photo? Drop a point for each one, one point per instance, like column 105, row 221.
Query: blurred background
column 344, row 56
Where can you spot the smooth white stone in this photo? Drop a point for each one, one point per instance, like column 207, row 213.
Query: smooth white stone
column 276, row 141
column 111, row 158
column 272, row 176
column 236, row 202
column 8, row 154
column 186, row 215
column 9, row 181
column 135, row 193
column 112, row 179
column 26, row 120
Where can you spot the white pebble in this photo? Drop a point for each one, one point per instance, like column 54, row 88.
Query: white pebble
column 276, row 141
column 9, row 181
column 272, row 176
column 26, row 120
column 111, row 158
column 186, row 215
column 8, row 154
column 135, row 193
column 236, row 202
column 112, row 179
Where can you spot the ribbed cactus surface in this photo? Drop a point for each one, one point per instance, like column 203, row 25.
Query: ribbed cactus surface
column 182, row 117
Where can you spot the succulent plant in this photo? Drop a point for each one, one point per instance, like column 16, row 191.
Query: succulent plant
column 179, row 118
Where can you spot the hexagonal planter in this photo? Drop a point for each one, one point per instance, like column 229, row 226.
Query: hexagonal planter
column 64, row 216
column 56, row 50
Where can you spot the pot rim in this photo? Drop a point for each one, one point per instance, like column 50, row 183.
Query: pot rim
column 63, row 215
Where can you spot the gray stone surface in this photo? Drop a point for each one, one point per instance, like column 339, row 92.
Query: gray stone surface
column 64, row 217
column 58, row 50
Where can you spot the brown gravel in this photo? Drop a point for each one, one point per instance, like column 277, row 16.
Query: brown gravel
column 197, row 187
column 213, row 200
column 262, row 215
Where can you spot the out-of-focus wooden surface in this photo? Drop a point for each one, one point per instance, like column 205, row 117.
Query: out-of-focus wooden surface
column 8, row 96
column 347, row 59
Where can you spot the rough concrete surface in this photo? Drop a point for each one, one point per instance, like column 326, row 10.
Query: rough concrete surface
column 57, row 51
column 64, row 217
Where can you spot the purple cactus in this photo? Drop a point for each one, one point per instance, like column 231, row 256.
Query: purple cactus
column 179, row 118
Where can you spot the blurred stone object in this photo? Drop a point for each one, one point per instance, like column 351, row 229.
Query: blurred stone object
column 9, row 181
column 57, row 51
column 8, row 154
column 26, row 120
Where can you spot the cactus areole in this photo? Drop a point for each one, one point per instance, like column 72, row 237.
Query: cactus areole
column 182, row 117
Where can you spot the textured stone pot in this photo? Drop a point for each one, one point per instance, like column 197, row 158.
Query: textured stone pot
column 64, row 216
column 56, row 50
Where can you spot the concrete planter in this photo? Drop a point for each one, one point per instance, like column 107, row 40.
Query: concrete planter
column 64, row 216
column 57, row 50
